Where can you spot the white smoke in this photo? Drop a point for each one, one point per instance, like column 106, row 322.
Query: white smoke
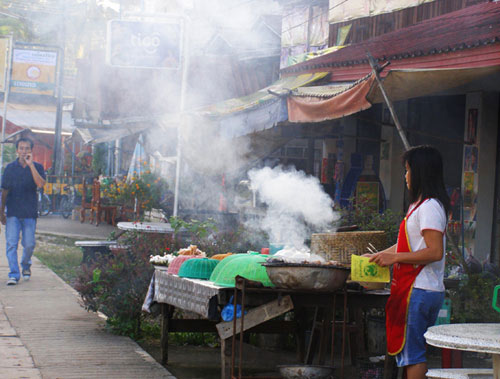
column 296, row 204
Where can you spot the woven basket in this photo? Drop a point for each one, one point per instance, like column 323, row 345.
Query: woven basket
column 340, row 246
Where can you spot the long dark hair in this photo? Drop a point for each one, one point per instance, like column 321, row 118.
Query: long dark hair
column 426, row 175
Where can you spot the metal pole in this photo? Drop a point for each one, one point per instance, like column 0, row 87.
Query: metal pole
column 57, row 166
column 118, row 156
column 73, row 158
column 109, row 150
column 5, row 101
column 375, row 70
column 57, row 163
column 182, row 106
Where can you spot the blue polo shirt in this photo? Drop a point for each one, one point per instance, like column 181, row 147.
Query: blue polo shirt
column 22, row 200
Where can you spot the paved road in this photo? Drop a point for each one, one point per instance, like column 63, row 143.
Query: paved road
column 46, row 333
column 57, row 225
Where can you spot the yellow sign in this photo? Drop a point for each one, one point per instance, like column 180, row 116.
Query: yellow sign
column 4, row 43
column 34, row 71
column 47, row 188
column 55, row 188
column 362, row 270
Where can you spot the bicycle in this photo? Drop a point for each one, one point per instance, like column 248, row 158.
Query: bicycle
column 43, row 203
column 67, row 202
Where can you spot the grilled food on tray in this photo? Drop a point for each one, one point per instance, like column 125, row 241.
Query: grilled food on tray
column 191, row 250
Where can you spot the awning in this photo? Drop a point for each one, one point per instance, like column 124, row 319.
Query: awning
column 112, row 130
column 34, row 116
column 258, row 111
column 100, row 135
column 254, row 120
column 261, row 97
column 316, row 104
column 406, row 84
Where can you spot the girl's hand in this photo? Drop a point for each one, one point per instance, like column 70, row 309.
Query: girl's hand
column 384, row 258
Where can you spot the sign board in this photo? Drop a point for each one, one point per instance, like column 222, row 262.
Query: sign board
column 144, row 44
column 4, row 43
column 34, row 71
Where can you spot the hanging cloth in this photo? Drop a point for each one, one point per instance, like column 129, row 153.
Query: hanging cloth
column 403, row 277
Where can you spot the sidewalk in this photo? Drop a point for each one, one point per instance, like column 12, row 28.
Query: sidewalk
column 46, row 333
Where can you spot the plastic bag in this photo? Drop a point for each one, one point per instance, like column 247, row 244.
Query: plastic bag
column 227, row 312
column 362, row 270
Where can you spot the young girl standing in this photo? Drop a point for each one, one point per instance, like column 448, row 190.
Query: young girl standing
column 417, row 289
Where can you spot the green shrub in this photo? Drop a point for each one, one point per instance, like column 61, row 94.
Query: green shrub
column 365, row 217
column 471, row 301
column 116, row 285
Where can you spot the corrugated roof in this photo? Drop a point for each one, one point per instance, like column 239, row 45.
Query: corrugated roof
column 321, row 91
column 467, row 28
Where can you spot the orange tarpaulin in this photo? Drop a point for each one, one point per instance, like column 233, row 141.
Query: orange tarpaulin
column 314, row 109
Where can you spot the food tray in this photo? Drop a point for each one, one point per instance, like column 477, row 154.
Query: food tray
column 306, row 276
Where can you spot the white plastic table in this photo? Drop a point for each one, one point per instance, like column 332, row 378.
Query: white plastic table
column 146, row 227
column 484, row 338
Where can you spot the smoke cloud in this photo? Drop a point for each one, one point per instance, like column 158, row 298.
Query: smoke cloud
column 296, row 203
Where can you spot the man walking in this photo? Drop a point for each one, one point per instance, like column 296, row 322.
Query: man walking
column 20, row 181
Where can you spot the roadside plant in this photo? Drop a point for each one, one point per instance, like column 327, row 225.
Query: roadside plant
column 471, row 301
column 149, row 189
column 198, row 231
column 117, row 284
column 362, row 214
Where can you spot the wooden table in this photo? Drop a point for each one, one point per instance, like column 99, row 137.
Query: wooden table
column 206, row 299
column 484, row 338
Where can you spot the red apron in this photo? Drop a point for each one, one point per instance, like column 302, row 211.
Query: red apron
column 403, row 277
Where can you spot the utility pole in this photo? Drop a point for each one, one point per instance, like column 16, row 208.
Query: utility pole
column 5, row 100
column 182, row 108
column 57, row 158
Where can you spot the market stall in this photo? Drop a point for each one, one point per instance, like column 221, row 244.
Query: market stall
column 206, row 299
column 249, row 279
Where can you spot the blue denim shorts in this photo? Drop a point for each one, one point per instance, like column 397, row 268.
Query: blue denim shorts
column 422, row 314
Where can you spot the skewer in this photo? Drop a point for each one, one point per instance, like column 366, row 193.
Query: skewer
column 373, row 247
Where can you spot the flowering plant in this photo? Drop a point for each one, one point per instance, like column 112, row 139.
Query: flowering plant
column 149, row 190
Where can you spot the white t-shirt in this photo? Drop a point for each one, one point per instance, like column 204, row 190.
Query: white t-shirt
column 429, row 215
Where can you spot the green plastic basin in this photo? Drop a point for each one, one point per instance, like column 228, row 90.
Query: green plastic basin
column 223, row 263
column 249, row 266
column 198, row 268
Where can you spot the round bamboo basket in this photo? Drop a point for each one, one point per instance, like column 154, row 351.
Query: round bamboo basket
column 340, row 246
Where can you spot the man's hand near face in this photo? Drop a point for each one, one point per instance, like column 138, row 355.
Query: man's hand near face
column 29, row 159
